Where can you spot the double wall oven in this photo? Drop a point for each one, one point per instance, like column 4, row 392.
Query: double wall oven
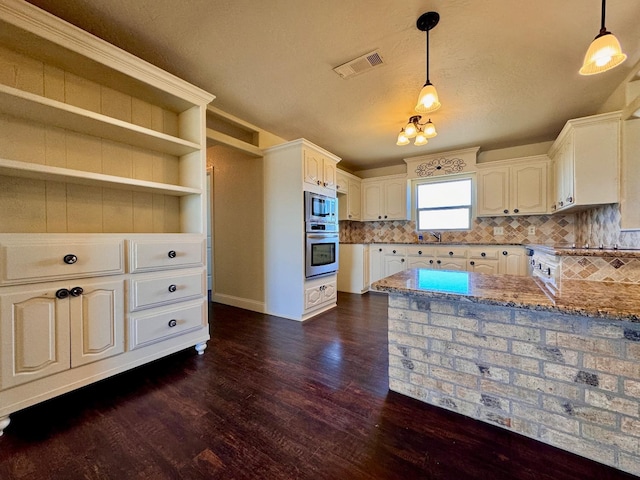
column 322, row 237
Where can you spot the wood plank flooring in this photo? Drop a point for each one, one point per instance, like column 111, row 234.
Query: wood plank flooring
column 271, row 399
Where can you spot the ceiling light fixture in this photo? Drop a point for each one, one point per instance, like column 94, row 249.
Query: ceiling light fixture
column 414, row 129
column 428, row 99
column 604, row 53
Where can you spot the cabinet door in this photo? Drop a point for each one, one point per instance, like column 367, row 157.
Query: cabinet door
column 513, row 261
column 342, row 182
column 329, row 173
column 34, row 327
column 312, row 297
column 395, row 200
column 354, row 201
column 421, row 262
column 97, row 321
column 452, row 264
column 567, row 175
column 372, row 194
column 493, row 192
column 483, row 266
column 376, row 265
column 313, row 166
column 394, row 264
column 529, row 188
column 329, row 292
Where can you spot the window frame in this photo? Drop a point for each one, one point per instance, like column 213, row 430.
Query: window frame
column 442, row 179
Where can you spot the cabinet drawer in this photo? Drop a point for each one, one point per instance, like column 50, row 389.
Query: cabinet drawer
column 156, row 325
column 43, row 261
column 487, row 253
column 163, row 289
column 451, row 252
column 394, row 250
column 421, row 251
column 145, row 256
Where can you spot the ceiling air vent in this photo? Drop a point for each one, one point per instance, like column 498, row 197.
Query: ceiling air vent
column 359, row 65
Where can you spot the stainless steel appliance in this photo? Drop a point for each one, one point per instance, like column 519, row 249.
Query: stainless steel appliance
column 321, row 253
column 321, row 212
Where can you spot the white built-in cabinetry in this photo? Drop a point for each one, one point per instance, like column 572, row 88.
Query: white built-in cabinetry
column 386, row 198
column 102, row 210
column 288, row 293
column 319, row 169
column 586, row 157
column 348, row 189
column 387, row 259
column 353, row 273
column 513, row 187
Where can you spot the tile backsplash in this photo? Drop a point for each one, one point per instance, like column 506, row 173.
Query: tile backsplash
column 550, row 229
column 601, row 225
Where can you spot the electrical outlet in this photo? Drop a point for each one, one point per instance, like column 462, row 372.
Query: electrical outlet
column 531, row 230
column 498, row 231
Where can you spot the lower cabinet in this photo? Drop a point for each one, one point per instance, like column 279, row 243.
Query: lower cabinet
column 353, row 270
column 319, row 295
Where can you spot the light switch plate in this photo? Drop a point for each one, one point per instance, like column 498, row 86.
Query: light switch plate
column 498, row 231
column 531, row 230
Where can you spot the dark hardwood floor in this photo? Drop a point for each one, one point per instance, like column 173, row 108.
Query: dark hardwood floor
column 271, row 399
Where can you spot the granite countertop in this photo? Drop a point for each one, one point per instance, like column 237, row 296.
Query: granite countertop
column 607, row 300
column 570, row 251
column 436, row 244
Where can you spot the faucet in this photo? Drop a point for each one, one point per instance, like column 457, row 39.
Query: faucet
column 437, row 235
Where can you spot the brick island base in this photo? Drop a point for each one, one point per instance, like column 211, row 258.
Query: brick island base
column 569, row 381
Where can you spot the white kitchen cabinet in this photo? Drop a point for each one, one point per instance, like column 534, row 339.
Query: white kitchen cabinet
column 483, row 260
column 421, row 257
column 586, row 158
column 353, row 271
column 386, row 198
column 286, row 291
column 349, row 197
column 53, row 327
column 97, row 149
column 319, row 295
column 513, row 260
column 451, row 258
column 394, row 259
column 513, row 187
column 376, row 263
column 342, row 182
column 319, row 169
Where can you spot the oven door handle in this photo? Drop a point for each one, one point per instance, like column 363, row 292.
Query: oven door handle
column 322, row 235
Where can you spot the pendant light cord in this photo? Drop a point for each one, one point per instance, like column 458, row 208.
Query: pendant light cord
column 428, row 57
column 603, row 29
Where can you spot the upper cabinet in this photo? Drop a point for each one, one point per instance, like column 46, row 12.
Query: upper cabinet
column 348, row 188
column 586, row 157
column 319, row 169
column 513, row 187
column 386, row 198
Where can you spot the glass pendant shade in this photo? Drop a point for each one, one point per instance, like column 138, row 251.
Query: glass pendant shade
column 402, row 138
column 430, row 129
column 428, row 99
column 410, row 130
column 604, row 54
column 420, row 139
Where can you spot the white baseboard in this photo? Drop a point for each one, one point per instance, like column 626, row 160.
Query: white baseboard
column 246, row 303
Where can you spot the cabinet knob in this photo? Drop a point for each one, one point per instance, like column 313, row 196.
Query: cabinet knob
column 172, row 288
column 172, row 254
column 76, row 291
column 483, row 254
column 561, row 204
column 394, row 251
column 325, row 183
column 349, row 215
column 553, row 207
column 419, row 252
column 379, row 217
column 318, row 182
column 172, row 323
column 62, row 293
column 385, row 216
column 569, row 199
column 548, row 271
column 431, row 262
column 70, row 259
column 379, row 249
column 533, row 262
column 402, row 260
column 505, row 211
column 516, row 210
column 505, row 253
column 451, row 254
column 472, row 262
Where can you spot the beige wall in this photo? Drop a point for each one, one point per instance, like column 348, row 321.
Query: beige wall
column 238, row 238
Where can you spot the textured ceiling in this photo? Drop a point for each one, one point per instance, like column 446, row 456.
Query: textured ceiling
column 506, row 71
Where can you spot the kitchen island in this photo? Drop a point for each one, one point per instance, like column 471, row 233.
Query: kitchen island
column 559, row 365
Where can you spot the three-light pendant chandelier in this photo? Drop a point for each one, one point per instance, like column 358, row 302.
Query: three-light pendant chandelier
column 603, row 54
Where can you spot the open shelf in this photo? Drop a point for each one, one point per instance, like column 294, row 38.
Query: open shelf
column 44, row 172
column 21, row 104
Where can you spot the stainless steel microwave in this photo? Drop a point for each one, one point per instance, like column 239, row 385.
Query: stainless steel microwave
column 320, row 211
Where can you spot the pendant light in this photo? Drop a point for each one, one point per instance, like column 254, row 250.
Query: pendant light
column 402, row 138
column 604, row 53
column 414, row 129
column 428, row 99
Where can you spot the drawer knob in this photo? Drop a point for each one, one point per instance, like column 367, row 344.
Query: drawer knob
column 394, row 251
column 419, row 252
column 70, row 259
column 516, row 210
column 506, row 211
column 472, row 262
column 172, row 288
column 451, row 254
column 172, row 254
column 483, row 254
column 62, row 293
column 505, row 253
column 172, row 323
column 431, row 262
column 438, row 262
column 76, row 291
column 402, row 260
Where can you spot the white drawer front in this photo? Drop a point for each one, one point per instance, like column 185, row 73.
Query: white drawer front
column 451, row 252
column 394, row 250
column 149, row 255
column 156, row 325
column 34, row 262
column 488, row 253
column 163, row 289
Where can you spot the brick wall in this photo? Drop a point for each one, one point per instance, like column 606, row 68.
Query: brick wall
column 569, row 381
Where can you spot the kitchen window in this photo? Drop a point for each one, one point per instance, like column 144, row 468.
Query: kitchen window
column 444, row 205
